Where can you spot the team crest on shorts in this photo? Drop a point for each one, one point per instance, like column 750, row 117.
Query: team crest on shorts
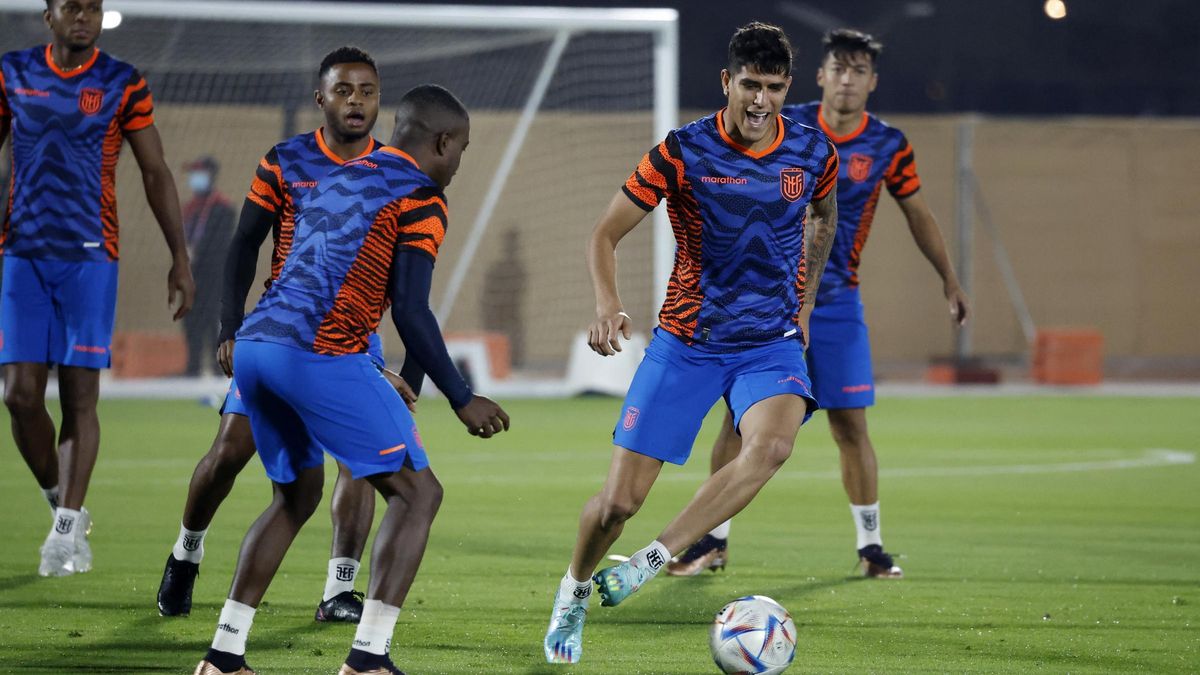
column 860, row 167
column 791, row 183
column 90, row 100
column 630, row 420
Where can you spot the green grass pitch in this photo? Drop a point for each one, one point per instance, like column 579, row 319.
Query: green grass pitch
column 1045, row 534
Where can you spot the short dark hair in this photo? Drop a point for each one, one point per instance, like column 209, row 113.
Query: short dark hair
column 846, row 41
column 346, row 54
column 762, row 46
column 432, row 99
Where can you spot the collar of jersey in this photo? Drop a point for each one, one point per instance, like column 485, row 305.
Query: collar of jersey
column 320, row 133
column 743, row 149
column 400, row 153
column 74, row 72
column 834, row 137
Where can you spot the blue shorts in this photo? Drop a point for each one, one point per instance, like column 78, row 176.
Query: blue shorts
column 839, row 354
column 57, row 312
column 302, row 404
column 676, row 385
column 233, row 398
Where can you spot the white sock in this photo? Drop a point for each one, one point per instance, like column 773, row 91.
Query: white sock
column 652, row 558
column 866, row 523
column 51, row 495
column 573, row 590
column 374, row 634
column 64, row 526
column 722, row 531
column 190, row 545
column 342, row 572
column 233, row 627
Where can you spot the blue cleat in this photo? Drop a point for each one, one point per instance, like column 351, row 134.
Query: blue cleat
column 619, row 582
column 564, row 637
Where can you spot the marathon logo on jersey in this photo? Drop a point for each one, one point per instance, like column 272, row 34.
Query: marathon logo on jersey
column 725, row 180
column 791, row 183
column 90, row 100
column 191, row 542
column 860, row 167
column 344, row 573
column 64, row 524
column 631, row 418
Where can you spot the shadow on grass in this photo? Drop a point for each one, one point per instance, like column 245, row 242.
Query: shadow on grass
column 18, row 581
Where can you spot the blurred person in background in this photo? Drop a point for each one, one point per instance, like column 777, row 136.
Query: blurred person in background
column 207, row 227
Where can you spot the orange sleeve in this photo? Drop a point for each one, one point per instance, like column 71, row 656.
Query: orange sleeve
column 659, row 174
column 137, row 106
column 828, row 177
column 422, row 221
column 901, row 176
column 266, row 189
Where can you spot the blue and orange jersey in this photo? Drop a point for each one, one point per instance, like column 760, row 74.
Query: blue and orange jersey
column 873, row 155
column 333, row 289
column 67, row 128
column 285, row 175
column 738, row 217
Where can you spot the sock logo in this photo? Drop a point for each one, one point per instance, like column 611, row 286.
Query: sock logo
column 344, row 572
column 228, row 628
column 191, row 543
column 583, row 592
column 870, row 521
column 654, row 559
column 64, row 524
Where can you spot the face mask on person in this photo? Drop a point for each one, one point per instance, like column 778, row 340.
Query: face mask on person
column 199, row 181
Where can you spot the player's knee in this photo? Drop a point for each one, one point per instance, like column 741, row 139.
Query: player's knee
column 768, row 452
column 849, row 436
column 22, row 400
column 616, row 509
column 228, row 456
column 429, row 496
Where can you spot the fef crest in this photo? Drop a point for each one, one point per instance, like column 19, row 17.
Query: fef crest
column 860, row 167
column 90, row 100
column 629, row 421
column 791, row 183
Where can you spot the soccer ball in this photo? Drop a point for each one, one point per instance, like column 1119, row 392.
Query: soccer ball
column 753, row 634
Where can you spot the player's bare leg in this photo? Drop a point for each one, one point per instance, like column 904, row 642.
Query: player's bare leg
column 66, row 549
column 711, row 552
column 630, row 477
column 860, row 477
column 212, row 480
column 352, row 511
column 262, row 551
column 413, row 499
column 769, row 430
column 32, row 426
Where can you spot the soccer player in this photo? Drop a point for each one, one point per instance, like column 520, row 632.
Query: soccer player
column 873, row 155
column 348, row 94
column 751, row 196
column 69, row 107
column 367, row 235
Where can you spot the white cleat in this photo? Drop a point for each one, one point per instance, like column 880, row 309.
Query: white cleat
column 82, row 560
column 57, row 559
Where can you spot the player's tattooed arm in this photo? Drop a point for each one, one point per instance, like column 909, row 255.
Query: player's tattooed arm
column 821, row 226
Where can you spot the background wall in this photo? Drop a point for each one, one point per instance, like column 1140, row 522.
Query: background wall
column 1099, row 216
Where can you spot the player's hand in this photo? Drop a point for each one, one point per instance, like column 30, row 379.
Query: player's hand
column 960, row 307
column 180, row 285
column 406, row 392
column 602, row 334
column 483, row 417
column 225, row 357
